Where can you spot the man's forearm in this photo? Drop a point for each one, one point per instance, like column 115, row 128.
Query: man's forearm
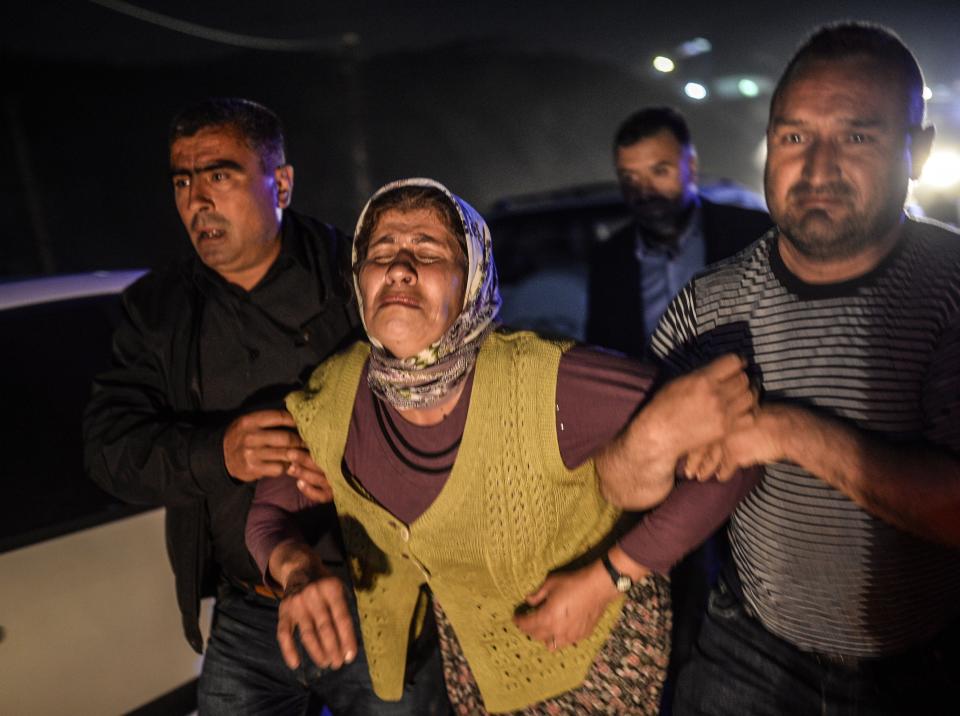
column 637, row 468
column 137, row 446
column 913, row 487
column 143, row 459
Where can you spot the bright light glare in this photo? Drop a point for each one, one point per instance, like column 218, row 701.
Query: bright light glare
column 663, row 64
column 748, row 88
column 695, row 90
column 942, row 169
column 927, row 93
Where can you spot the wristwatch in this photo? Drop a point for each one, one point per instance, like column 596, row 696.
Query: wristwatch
column 623, row 582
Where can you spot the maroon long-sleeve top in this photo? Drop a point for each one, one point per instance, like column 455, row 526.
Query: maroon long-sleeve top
column 405, row 466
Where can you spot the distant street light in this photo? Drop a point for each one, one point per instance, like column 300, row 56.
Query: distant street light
column 748, row 87
column 695, row 90
column 663, row 64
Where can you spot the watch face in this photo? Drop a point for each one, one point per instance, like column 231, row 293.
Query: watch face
column 624, row 583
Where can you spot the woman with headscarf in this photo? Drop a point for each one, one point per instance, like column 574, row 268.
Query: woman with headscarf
column 463, row 459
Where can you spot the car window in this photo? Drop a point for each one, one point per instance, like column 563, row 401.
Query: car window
column 542, row 254
column 51, row 352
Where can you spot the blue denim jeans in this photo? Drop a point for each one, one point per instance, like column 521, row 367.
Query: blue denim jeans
column 244, row 672
column 738, row 667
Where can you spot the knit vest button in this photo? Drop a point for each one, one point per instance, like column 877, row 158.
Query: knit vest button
column 404, row 533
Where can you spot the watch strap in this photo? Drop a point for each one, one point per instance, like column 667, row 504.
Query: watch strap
column 623, row 582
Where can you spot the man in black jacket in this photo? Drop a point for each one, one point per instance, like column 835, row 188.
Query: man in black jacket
column 634, row 275
column 675, row 231
column 190, row 416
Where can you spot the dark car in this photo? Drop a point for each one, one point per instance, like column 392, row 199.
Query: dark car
column 542, row 244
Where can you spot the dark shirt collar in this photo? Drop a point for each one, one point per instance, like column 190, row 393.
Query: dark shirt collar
column 292, row 252
column 839, row 289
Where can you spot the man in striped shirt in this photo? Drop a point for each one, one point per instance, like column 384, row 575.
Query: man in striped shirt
column 842, row 589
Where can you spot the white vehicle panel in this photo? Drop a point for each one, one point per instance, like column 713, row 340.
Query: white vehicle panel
column 74, row 610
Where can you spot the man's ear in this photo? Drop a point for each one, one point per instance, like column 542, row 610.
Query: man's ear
column 283, row 175
column 921, row 142
column 694, row 165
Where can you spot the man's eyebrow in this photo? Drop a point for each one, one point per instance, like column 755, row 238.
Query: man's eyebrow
column 220, row 164
column 858, row 122
column 781, row 121
column 869, row 123
column 212, row 166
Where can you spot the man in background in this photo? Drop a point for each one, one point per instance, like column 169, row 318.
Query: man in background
column 675, row 231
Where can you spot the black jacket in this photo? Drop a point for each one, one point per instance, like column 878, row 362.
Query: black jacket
column 614, row 300
column 147, row 441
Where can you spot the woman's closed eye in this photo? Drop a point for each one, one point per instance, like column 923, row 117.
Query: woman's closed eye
column 388, row 254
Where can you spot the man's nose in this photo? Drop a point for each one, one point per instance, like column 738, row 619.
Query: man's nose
column 638, row 184
column 820, row 162
column 644, row 189
column 199, row 197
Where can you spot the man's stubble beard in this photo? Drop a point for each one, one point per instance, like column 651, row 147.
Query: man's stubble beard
column 819, row 237
column 660, row 218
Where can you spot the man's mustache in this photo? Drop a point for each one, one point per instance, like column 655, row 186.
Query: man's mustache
column 831, row 190
column 207, row 220
column 652, row 203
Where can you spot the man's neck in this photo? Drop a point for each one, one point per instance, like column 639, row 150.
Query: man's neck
column 248, row 278
column 824, row 271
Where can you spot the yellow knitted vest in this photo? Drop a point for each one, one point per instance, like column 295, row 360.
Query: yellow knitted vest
column 509, row 513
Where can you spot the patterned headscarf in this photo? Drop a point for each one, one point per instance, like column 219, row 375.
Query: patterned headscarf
column 425, row 379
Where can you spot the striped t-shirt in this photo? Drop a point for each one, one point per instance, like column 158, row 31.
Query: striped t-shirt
column 881, row 351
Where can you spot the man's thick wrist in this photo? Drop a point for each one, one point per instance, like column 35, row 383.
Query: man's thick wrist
column 786, row 427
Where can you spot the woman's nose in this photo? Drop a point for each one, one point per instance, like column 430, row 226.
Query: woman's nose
column 402, row 269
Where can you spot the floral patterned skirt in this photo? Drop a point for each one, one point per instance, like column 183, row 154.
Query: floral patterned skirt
column 626, row 676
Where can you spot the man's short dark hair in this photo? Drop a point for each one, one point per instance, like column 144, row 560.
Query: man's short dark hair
column 259, row 127
column 849, row 40
column 650, row 121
